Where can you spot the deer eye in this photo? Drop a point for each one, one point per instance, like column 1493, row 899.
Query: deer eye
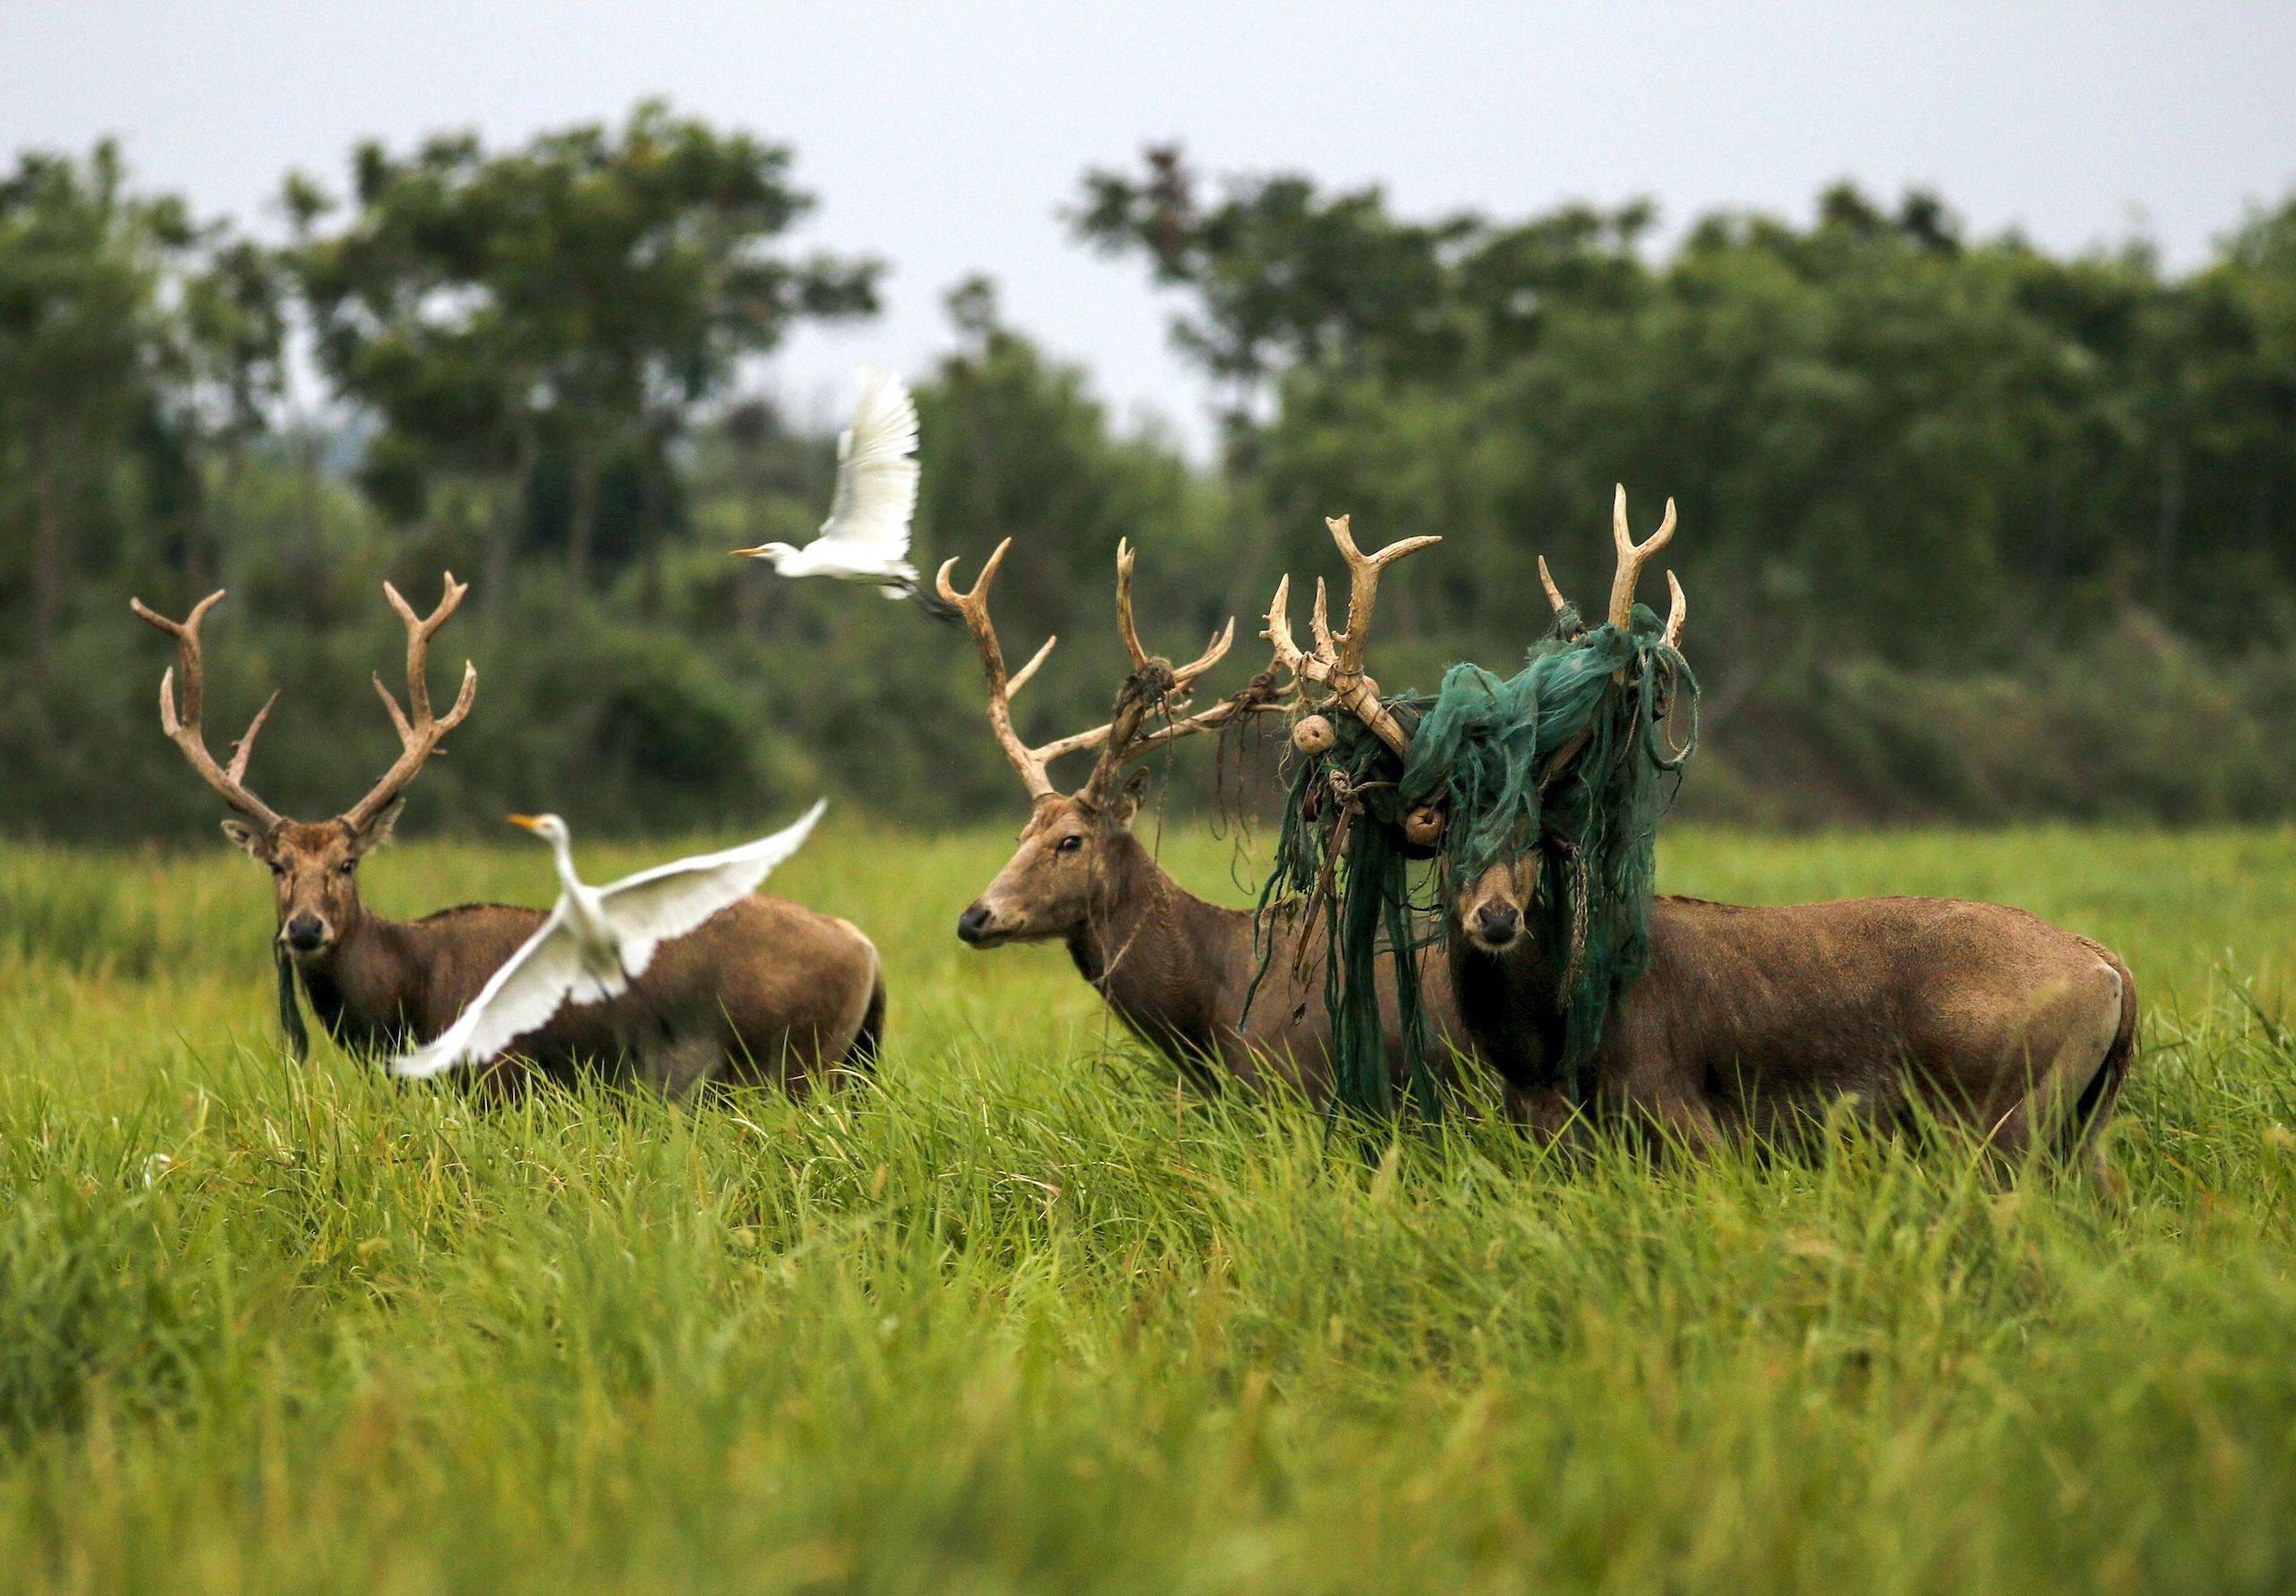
column 277, row 869
column 346, row 867
column 1069, row 843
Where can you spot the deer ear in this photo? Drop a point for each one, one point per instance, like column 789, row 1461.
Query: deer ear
column 1128, row 796
column 248, row 839
column 377, row 831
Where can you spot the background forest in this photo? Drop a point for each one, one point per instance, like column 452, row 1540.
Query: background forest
column 1970, row 530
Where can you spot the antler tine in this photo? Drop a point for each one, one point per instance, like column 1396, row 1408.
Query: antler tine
column 1677, row 611
column 1028, row 763
column 1319, row 626
column 1632, row 556
column 1221, row 641
column 419, row 731
column 1554, row 594
column 1363, row 586
column 1020, row 678
column 181, row 722
column 240, row 750
column 1278, row 631
column 1125, row 627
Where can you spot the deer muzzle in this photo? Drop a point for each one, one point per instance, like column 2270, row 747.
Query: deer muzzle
column 306, row 933
column 976, row 927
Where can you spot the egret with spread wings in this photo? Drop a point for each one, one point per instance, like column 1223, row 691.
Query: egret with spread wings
column 598, row 940
column 866, row 538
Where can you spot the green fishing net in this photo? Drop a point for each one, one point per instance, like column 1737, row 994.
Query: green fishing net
column 1568, row 757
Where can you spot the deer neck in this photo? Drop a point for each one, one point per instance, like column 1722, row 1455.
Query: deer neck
column 1510, row 1001
column 1162, row 956
column 367, row 988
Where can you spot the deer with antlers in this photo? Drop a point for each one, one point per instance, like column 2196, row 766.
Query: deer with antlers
column 1763, row 1019
column 765, row 991
column 1179, row 971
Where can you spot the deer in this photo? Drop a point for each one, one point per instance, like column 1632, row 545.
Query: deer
column 765, row 991
column 1228, row 1001
column 1760, row 1022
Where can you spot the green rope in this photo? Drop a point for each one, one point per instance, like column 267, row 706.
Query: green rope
column 1340, row 853
column 1567, row 758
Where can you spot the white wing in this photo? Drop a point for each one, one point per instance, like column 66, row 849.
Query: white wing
column 876, row 470
column 520, row 997
column 654, row 906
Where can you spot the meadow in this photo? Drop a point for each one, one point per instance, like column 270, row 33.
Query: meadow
column 1018, row 1314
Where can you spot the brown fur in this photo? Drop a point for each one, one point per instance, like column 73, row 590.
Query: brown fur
column 1175, row 968
column 765, row 991
column 1763, row 1020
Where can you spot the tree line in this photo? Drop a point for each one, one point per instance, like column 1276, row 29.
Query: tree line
column 1972, row 528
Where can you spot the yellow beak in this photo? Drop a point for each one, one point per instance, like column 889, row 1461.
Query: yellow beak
column 529, row 821
column 757, row 553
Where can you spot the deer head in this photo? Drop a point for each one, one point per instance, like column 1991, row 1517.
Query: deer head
column 1077, row 847
column 314, row 864
column 1492, row 910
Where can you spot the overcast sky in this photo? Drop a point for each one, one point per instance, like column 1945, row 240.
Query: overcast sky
column 945, row 138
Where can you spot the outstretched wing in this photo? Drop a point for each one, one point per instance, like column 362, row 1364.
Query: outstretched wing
column 876, row 470
column 520, row 997
column 654, row 906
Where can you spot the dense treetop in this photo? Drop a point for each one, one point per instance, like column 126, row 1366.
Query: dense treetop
column 1970, row 528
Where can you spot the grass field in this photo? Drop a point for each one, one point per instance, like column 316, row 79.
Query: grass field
column 1016, row 1316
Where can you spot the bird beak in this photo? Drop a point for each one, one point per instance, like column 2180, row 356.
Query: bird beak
column 756, row 553
column 529, row 821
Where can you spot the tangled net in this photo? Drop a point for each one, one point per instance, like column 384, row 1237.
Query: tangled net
column 1568, row 757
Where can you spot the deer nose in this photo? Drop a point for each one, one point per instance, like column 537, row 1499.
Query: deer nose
column 973, row 924
column 1497, row 922
column 305, row 932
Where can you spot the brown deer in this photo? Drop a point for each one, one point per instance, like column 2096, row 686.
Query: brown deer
column 1176, row 969
column 765, row 991
column 1762, row 1020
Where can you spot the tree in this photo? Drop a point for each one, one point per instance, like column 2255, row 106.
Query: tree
column 572, row 300
column 227, row 371
column 81, row 263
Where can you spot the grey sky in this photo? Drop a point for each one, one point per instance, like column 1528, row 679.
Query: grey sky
column 944, row 137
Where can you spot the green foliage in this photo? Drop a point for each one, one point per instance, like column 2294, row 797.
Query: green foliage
column 1009, row 1319
column 582, row 294
column 1969, row 528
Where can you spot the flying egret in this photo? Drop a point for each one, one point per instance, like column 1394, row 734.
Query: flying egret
column 866, row 538
column 598, row 940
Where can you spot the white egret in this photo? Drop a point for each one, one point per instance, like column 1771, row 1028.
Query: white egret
column 866, row 538
column 598, row 940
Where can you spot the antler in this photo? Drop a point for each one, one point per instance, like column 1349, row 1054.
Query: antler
column 973, row 605
column 1337, row 661
column 1151, row 683
column 1632, row 556
column 182, row 725
column 419, row 730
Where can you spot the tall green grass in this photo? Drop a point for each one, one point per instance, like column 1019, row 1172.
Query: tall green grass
column 1016, row 1314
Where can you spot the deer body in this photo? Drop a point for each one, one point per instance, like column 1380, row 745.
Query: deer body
column 1756, row 1020
column 714, row 1005
column 1765, row 1021
column 764, row 990
column 1177, row 970
column 1762, row 1020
